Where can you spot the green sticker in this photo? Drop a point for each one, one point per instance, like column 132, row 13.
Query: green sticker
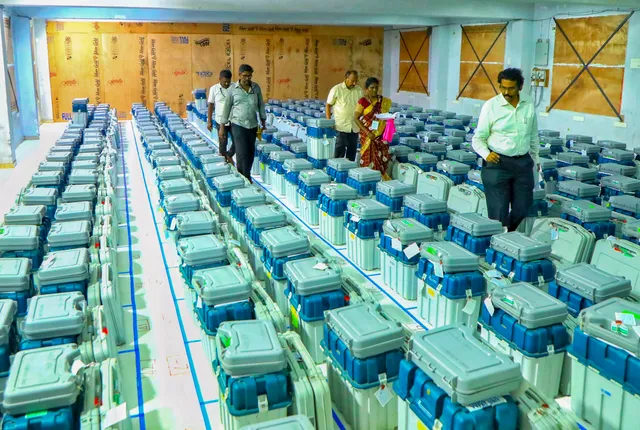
column 635, row 315
column 2, row 230
column 295, row 320
column 36, row 414
column 508, row 300
column 226, row 341
column 407, row 223
column 432, row 251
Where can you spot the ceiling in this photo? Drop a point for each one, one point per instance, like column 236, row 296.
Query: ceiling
column 328, row 12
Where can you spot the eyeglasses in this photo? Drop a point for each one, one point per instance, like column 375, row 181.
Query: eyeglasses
column 246, row 76
column 508, row 89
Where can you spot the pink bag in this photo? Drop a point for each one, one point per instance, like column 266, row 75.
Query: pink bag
column 389, row 130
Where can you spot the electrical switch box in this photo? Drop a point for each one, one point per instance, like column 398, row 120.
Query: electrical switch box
column 542, row 53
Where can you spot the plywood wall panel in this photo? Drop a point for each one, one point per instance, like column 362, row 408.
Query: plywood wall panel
column 480, row 86
column 210, row 53
column 170, row 70
column 366, row 54
column 291, row 66
column 584, row 96
column 256, row 51
column 482, row 37
column 121, row 54
column 332, row 58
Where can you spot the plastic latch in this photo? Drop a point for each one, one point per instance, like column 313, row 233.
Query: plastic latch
column 550, row 349
column 469, row 294
column 541, row 280
column 511, row 276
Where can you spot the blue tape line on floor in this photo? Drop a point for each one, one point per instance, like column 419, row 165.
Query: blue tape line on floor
column 209, row 402
column 194, row 376
column 368, row 277
column 126, row 351
column 132, row 291
column 337, row 420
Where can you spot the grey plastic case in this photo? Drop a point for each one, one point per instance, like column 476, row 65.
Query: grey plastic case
column 55, row 315
column 549, row 133
column 285, row 241
column 249, row 196
column 364, row 330
column 368, row 209
column 170, row 172
column 475, row 176
column 46, row 178
column 60, row 157
column 42, row 379
column 8, row 310
column 578, row 173
column 195, row 222
column 171, row 160
column 176, row 186
column 281, row 156
column 631, row 229
column 40, row 196
column 298, row 148
column 452, row 257
column 621, row 183
column 365, row 174
column 221, row 285
column 395, row 188
column 573, row 158
column 627, row 203
column 229, row 182
column 520, row 246
column 453, row 167
column 79, row 193
column 64, row 266
column 75, row 211
column 400, row 151
column 89, row 156
column 252, row 348
column 579, row 138
column 268, row 148
column 599, row 321
column 412, row 143
column 296, row 422
column 424, row 158
column 465, row 368
column 596, row 285
column 73, row 233
column 314, row 177
column 80, row 177
column 433, row 147
column 297, row 165
column 586, row 211
column 25, row 215
column 197, row 250
column 611, row 144
column 476, row 225
column 211, row 159
column 462, row 156
column 15, row 274
column 187, row 202
column 312, row 276
column 617, row 169
column 19, row 237
column 216, row 169
column 586, row 147
column 407, row 230
column 266, row 216
column 617, row 154
column 337, row 191
column 530, row 306
column 578, row 189
column 52, row 166
column 425, row 204
column 321, row 123
column 85, row 165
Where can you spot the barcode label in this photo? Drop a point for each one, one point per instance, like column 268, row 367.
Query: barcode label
column 493, row 401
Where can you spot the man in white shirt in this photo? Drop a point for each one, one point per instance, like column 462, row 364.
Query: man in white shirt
column 217, row 97
column 343, row 98
column 507, row 139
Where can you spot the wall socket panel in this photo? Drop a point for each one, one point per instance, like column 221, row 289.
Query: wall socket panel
column 542, row 53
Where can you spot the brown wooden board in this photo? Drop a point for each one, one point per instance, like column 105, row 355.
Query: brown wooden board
column 291, row 67
column 210, row 53
column 170, row 70
column 121, row 53
column 417, row 43
column 332, row 58
column 479, row 87
column 414, row 77
column 367, row 56
column 256, row 51
column 78, row 71
column 480, row 38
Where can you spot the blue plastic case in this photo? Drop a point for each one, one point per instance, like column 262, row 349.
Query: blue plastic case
column 601, row 229
column 523, row 272
column 312, row 307
column 452, row 285
column 54, row 419
column 244, row 392
column 364, row 188
column 212, row 316
column 433, row 221
column 476, row 244
column 364, row 229
column 332, row 207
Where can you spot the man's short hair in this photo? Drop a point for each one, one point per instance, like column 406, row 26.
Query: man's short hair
column 512, row 74
column 245, row 68
column 226, row 73
column 350, row 72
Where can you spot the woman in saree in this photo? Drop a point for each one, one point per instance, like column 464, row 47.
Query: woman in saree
column 374, row 152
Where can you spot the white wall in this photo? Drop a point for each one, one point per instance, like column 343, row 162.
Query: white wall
column 42, row 65
column 444, row 75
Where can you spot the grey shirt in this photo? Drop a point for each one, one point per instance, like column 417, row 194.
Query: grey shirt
column 242, row 108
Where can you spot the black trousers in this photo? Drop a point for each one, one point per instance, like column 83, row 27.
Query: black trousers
column 245, row 147
column 508, row 186
column 231, row 151
column 347, row 145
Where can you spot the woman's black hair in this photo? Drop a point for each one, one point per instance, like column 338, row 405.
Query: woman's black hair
column 512, row 75
column 371, row 81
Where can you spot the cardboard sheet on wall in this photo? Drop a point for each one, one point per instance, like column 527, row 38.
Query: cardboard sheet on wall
column 366, row 54
column 210, row 53
column 414, row 61
column 481, row 38
column 170, row 70
column 291, row 65
column 256, row 51
column 332, row 58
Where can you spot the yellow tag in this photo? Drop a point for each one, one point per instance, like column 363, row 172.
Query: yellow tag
column 261, row 166
column 421, row 426
column 302, row 198
column 269, row 275
column 352, row 236
column 431, row 292
column 324, row 214
column 295, row 320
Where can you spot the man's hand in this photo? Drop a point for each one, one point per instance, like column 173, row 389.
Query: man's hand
column 371, row 135
column 222, row 136
column 493, row 158
column 210, row 126
column 264, row 124
column 229, row 160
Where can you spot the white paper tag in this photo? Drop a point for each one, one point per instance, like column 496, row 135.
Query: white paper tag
column 493, row 273
column 489, row 305
column 113, row 416
column 449, row 147
column 174, row 221
column 320, row 266
column 493, row 401
column 325, row 141
column 547, row 145
column 374, row 125
column 396, row 244
column 470, row 307
column 412, row 250
column 438, row 269
column 355, row 218
column 384, row 395
column 76, row 366
column 555, row 234
column 627, row 319
column 583, row 152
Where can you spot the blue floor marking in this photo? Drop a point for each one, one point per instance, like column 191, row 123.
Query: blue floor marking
column 136, row 345
column 126, row 351
column 209, row 402
column 337, row 420
column 385, row 292
column 194, row 376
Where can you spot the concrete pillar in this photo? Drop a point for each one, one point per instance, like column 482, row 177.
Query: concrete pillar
column 7, row 154
column 42, row 65
column 27, row 101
